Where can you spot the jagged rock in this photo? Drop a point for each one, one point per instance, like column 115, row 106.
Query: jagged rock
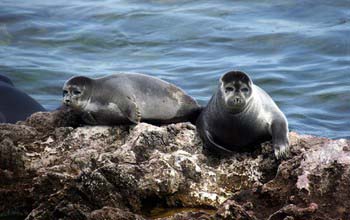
column 230, row 210
column 109, row 213
column 52, row 167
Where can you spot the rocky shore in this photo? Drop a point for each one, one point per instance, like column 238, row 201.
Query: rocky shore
column 51, row 167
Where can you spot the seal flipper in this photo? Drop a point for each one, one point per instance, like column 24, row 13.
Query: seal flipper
column 88, row 118
column 279, row 133
column 210, row 139
column 130, row 109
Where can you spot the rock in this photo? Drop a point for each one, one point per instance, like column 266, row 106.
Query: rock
column 230, row 210
column 290, row 211
column 109, row 213
column 52, row 167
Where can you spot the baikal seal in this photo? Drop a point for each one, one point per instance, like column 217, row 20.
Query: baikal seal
column 128, row 98
column 241, row 115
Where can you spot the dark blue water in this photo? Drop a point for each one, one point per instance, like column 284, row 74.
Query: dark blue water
column 298, row 51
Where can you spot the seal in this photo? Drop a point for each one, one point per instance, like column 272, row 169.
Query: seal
column 128, row 98
column 15, row 105
column 241, row 115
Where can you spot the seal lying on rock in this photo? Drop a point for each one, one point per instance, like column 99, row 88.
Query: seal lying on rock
column 15, row 105
column 128, row 98
column 241, row 115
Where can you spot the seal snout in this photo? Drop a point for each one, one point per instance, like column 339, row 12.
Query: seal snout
column 66, row 101
column 66, row 98
column 235, row 102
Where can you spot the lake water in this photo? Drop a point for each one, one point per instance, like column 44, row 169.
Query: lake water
column 297, row 50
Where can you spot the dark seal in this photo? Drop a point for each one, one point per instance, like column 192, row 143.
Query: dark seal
column 15, row 105
column 127, row 98
column 240, row 115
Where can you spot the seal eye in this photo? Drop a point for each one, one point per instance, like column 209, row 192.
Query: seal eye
column 65, row 92
column 76, row 92
column 245, row 90
column 229, row 89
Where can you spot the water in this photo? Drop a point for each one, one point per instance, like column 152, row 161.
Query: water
column 297, row 50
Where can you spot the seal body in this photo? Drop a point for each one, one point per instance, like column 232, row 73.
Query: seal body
column 240, row 115
column 15, row 105
column 128, row 98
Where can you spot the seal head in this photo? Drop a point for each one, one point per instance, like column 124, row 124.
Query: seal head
column 235, row 90
column 77, row 92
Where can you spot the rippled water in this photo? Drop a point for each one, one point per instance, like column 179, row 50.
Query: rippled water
column 298, row 51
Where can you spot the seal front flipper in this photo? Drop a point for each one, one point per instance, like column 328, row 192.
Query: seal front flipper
column 280, row 142
column 89, row 118
column 212, row 142
column 130, row 109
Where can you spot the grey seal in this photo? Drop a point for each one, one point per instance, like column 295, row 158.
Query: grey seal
column 128, row 98
column 15, row 105
column 241, row 115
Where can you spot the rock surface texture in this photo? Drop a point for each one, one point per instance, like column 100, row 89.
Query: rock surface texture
column 53, row 168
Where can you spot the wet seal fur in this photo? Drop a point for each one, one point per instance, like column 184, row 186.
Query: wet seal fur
column 15, row 105
column 128, row 98
column 241, row 115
